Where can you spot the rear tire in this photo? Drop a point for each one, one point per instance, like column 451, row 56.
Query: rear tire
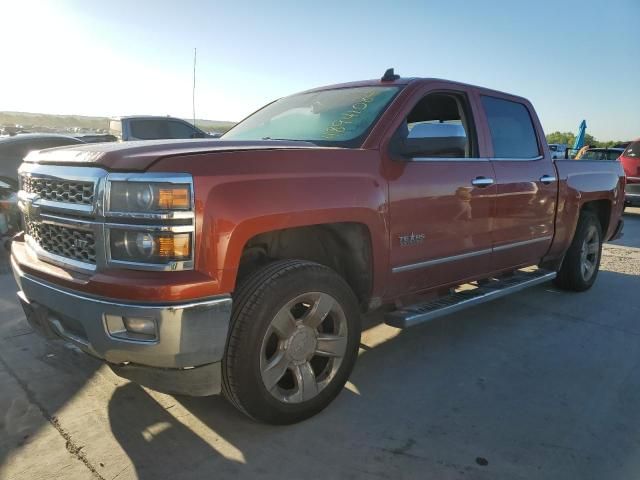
column 294, row 339
column 582, row 261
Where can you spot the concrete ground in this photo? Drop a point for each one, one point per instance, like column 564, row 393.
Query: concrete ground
column 543, row 384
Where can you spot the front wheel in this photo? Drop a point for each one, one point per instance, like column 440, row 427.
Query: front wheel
column 582, row 261
column 294, row 340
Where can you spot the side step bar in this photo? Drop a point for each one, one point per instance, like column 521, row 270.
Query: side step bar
column 495, row 288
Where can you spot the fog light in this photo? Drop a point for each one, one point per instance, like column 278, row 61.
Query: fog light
column 131, row 328
column 143, row 326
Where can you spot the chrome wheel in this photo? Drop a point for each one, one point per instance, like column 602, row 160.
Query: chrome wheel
column 589, row 253
column 303, row 347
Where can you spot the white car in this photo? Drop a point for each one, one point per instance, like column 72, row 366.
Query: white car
column 558, row 150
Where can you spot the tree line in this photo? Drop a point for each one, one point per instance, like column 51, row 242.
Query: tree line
column 568, row 138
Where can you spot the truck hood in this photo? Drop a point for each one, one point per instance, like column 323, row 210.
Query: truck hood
column 140, row 155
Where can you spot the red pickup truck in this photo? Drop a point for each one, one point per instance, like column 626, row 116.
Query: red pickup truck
column 243, row 265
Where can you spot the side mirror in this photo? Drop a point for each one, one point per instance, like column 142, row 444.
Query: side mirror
column 434, row 140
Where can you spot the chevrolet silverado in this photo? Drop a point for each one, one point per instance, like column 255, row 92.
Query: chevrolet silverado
column 243, row 266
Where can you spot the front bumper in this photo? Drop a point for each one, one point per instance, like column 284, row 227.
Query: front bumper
column 183, row 357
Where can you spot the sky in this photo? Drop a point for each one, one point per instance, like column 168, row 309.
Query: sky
column 573, row 59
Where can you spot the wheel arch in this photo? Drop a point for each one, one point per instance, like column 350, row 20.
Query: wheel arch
column 602, row 209
column 346, row 247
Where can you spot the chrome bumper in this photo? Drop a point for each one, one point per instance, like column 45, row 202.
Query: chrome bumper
column 189, row 344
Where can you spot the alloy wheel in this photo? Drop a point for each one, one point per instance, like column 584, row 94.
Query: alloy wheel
column 303, row 347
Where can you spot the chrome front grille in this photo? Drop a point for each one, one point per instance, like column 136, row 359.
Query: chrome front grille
column 68, row 242
column 55, row 190
column 68, row 222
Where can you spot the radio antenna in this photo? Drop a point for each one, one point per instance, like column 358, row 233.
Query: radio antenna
column 193, row 92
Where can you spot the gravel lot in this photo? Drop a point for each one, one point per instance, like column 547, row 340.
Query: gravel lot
column 543, row 384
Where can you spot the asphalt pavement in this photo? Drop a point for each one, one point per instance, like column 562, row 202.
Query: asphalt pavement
column 543, row 384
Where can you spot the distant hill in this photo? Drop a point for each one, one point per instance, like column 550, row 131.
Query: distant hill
column 65, row 122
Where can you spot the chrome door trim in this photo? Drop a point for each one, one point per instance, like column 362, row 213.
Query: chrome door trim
column 448, row 159
column 438, row 261
column 463, row 256
column 511, row 159
column 508, row 246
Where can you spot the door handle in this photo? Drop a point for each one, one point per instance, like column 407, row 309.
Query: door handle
column 482, row 182
column 547, row 179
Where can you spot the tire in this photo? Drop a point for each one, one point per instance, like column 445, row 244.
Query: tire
column 573, row 274
column 281, row 341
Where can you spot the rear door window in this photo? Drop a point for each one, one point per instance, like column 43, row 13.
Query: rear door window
column 148, row 129
column 512, row 131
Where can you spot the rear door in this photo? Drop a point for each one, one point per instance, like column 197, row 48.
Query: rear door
column 526, row 183
column 441, row 200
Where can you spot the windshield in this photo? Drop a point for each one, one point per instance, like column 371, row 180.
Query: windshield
column 340, row 117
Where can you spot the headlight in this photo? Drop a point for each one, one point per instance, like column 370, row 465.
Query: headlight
column 153, row 224
column 143, row 197
column 149, row 247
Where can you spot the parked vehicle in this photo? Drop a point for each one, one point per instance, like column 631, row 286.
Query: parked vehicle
column 243, row 265
column 630, row 160
column 97, row 137
column 14, row 148
column 10, row 222
column 152, row 128
column 558, row 150
column 601, row 154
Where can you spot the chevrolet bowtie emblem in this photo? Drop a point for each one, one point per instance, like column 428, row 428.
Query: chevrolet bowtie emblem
column 32, row 211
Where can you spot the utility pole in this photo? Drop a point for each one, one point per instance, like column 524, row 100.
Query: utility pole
column 193, row 92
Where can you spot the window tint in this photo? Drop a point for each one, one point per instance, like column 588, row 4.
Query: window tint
column 148, row 129
column 180, row 130
column 438, row 127
column 511, row 128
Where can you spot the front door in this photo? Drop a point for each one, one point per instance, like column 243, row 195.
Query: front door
column 441, row 199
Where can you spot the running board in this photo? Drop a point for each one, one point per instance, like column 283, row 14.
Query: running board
column 494, row 288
